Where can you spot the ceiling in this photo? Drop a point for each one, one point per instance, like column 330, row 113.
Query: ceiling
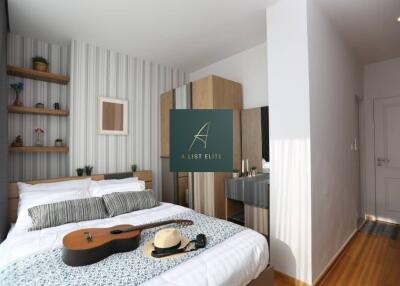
column 190, row 34
column 369, row 27
column 187, row 34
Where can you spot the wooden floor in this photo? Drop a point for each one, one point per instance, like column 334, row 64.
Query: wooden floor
column 368, row 260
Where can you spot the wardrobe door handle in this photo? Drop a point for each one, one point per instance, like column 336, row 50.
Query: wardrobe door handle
column 382, row 161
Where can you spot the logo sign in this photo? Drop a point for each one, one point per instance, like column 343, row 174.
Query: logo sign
column 201, row 140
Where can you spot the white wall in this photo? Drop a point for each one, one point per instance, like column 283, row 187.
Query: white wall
column 380, row 80
column 288, row 92
column 97, row 71
column 312, row 81
column 335, row 78
column 248, row 68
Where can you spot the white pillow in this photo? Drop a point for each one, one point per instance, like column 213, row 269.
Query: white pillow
column 40, row 194
column 101, row 188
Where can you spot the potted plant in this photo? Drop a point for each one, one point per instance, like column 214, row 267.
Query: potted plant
column 18, row 88
column 88, row 170
column 58, row 142
column 79, row 171
column 133, row 168
column 40, row 64
column 39, row 105
column 235, row 173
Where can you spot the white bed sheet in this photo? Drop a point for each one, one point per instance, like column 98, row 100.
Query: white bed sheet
column 236, row 261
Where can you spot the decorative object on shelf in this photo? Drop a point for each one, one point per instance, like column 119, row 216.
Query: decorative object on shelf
column 18, row 142
column 253, row 171
column 79, row 172
column 58, row 142
column 235, row 173
column 40, row 64
column 39, row 136
column 56, row 106
column 133, row 168
column 245, row 172
column 18, row 88
column 39, row 105
column 88, row 170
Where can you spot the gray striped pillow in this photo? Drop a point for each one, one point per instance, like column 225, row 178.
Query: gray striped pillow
column 126, row 202
column 55, row 214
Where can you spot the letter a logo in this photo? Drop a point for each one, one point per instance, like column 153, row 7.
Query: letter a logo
column 202, row 135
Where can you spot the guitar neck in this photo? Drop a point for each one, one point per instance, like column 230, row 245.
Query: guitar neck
column 149, row 225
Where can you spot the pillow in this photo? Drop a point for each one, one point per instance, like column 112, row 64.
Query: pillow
column 55, row 214
column 39, row 194
column 100, row 188
column 119, row 203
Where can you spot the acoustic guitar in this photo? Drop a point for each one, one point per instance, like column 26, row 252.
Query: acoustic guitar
column 90, row 245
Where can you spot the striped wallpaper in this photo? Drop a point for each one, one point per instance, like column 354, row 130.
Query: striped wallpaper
column 37, row 165
column 98, row 72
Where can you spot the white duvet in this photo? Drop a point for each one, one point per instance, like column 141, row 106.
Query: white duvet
column 236, row 261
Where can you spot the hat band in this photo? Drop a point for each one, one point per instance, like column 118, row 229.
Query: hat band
column 162, row 250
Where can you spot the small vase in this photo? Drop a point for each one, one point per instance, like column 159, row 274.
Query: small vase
column 16, row 101
column 39, row 139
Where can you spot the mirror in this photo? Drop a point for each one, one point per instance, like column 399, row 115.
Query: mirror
column 255, row 137
column 113, row 116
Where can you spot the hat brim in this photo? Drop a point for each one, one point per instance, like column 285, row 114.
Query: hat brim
column 149, row 247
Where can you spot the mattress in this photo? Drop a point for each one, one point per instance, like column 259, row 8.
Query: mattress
column 236, row 261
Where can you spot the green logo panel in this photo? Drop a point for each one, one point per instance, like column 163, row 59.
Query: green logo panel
column 201, row 140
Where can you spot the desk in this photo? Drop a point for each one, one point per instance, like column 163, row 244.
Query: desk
column 247, row 201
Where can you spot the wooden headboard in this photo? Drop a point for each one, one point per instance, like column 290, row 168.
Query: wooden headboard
column 13, row 196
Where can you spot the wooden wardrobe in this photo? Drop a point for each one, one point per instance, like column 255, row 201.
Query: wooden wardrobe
column 211, row 92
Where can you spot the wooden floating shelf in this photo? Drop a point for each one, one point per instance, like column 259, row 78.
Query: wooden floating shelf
column 37, row 75
column 33, row 110
column 37, row 149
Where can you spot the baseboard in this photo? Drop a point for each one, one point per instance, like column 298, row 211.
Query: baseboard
column 382, row 219
column 289, row 280
column 334, row 259
column 370, row 217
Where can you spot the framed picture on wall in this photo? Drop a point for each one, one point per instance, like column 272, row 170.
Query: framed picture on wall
column 113, row 116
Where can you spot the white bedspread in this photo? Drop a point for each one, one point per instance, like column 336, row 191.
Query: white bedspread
column 236, row 261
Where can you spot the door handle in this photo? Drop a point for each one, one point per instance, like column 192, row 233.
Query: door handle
column 381, row 161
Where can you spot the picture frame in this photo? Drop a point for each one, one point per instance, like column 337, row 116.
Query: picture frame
column 113, row 116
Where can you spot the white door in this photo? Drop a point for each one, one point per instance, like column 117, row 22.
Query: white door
column 387, row 158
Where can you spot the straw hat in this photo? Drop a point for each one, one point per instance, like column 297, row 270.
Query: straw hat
column 166, row 238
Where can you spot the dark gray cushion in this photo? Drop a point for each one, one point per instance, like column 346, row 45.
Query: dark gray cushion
column 126, row 202
column 50, row 215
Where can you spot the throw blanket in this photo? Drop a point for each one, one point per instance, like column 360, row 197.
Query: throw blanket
column 130, row 268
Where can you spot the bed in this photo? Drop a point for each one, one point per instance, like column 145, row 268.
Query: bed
column 241, row 259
